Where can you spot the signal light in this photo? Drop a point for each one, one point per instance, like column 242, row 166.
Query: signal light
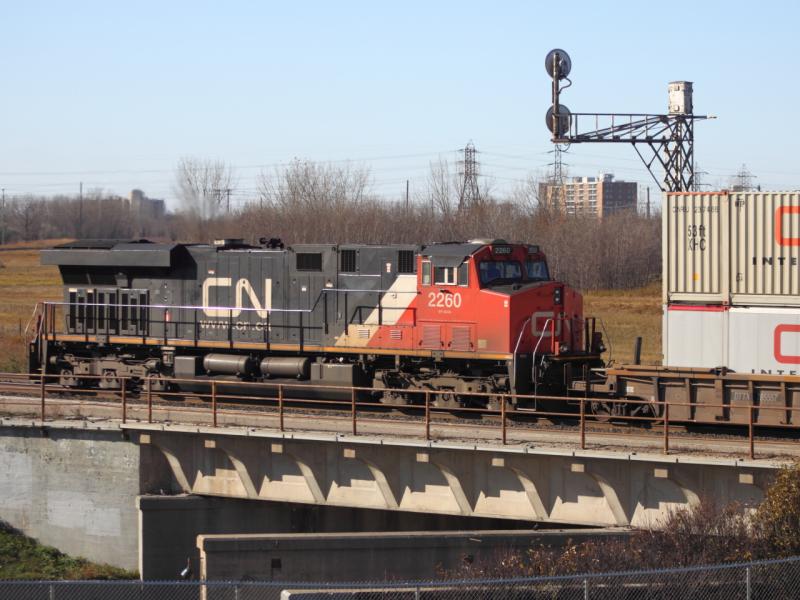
column 563, row 63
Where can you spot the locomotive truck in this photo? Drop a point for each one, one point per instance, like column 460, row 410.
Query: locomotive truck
column 482, row 316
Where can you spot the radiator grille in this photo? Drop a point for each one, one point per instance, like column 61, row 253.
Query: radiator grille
column 461, row 337
column 432, row 337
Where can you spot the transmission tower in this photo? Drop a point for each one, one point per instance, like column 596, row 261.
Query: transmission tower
column 556, row 193
column 469, row 195
column 743, row 181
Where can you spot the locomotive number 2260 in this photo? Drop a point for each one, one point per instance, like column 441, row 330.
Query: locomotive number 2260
column 442, row 300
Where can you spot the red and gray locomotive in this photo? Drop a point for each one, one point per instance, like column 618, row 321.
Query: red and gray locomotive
column 482, row 316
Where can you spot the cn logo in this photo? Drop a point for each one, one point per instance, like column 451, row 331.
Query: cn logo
column 792, row 239
column 780, row 356
column 242, row 287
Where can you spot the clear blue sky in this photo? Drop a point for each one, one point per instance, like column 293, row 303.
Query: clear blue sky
column 112, row 94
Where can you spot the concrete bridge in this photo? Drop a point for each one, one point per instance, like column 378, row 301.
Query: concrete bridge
column 493, row 481
column 137, row 495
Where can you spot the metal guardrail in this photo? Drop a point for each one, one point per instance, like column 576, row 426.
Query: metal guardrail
column 286, row 399
column 768, row 579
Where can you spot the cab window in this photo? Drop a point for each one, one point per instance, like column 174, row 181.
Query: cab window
column 537, row 270
column 444, row 275
column 499, row 272
column 426, row 273
column 463, row 274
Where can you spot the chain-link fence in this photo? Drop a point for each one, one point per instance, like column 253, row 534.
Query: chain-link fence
column 756, row 580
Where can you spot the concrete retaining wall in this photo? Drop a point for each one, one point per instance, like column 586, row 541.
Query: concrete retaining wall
column 72, row 490
column 364, row 556
column 169, row 525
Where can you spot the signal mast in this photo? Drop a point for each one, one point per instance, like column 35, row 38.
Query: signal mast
column 670, row 137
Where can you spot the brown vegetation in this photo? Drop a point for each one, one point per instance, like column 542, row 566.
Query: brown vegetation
column 312, row 202
column 703, row 535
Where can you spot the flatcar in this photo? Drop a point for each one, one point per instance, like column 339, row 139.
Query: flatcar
column 482, row 316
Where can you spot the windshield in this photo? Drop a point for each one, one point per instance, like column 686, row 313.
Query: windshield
column 500, row 271
column 537, row 270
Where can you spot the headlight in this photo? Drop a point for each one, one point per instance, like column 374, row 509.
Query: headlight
column 563, row 348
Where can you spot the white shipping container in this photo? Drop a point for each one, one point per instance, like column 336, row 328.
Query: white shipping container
column 754, row 339
column 764, row 340
column 739, row 248
column 695, row 336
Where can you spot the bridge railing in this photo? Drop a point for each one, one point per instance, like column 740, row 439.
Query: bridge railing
column 748, row 581
column 305, row 406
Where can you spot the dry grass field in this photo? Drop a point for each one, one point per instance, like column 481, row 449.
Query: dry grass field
column 23, row 282
column 624, row 314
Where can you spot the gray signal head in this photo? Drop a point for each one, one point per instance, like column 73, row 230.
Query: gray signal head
column 564, row 63
column 562, row 126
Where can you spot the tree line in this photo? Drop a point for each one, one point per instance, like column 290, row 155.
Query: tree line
column 314, row 202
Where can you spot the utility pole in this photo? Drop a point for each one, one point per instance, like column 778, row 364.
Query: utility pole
column 3, row 220
column 80, row 211
column 648, row 201
column 227, row 191
column 406, row 196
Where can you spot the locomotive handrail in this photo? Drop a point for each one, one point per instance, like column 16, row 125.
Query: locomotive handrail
column 535, row 350
column 516, row 348
column 180, row 306
column 36, row 310
column 229, row 308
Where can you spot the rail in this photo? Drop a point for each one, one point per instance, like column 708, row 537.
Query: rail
column 142, row 398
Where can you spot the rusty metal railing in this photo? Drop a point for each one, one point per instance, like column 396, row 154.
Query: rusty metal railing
column 357, row 404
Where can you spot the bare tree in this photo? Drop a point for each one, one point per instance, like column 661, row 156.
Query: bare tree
column 306, row 184
column 526, row 194
column 203, row 185
column 442, row 188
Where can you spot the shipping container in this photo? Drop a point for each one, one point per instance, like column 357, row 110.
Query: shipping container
column 752, row 339
column 765, row 246
column 737, row 248
column 695, row 336
column 764, row 340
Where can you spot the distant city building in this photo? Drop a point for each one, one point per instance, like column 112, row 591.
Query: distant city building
column 143, row 208
column 600, row 196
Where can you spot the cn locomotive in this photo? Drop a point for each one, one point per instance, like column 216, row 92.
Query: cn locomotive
column 482, row 316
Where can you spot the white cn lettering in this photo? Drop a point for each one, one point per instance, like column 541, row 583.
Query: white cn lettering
column 262, row 310
column 242, row 287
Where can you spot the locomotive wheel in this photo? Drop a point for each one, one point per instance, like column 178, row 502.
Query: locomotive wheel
column 392, row 398
column 67, row 379
column 446, row 400
column 158, row 383
column 496, row 403
column 606, row 411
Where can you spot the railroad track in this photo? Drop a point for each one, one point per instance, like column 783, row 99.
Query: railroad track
column 513, row 425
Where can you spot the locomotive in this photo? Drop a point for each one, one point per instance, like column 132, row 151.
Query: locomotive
column 482, row 316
